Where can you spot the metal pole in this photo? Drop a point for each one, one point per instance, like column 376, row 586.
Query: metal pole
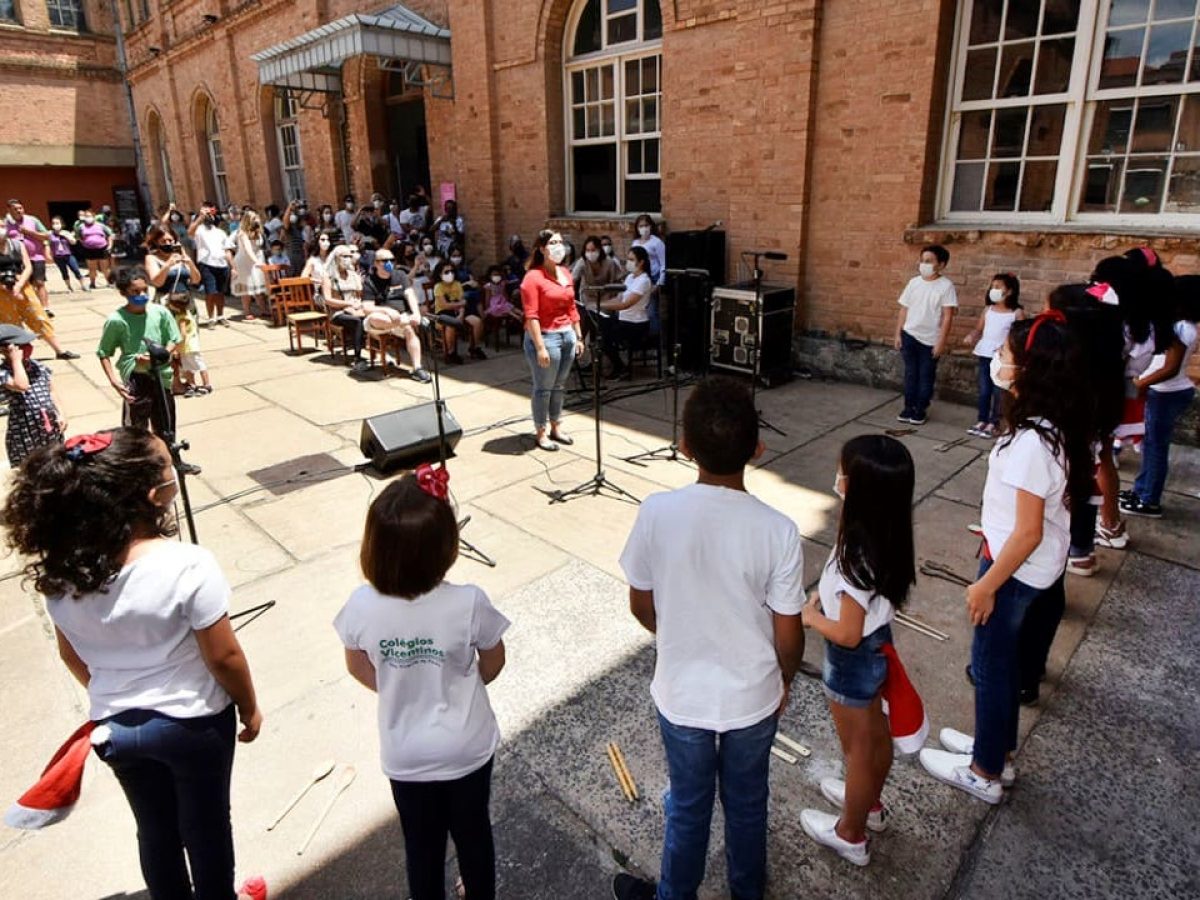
column 123, row 67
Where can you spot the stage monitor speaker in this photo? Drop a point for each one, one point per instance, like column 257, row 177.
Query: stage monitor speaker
column 747, row 336
column 698, row 250
column 407, row 437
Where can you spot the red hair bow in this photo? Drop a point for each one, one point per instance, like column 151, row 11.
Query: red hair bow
column 1149, row 255
column 1050, row 315
column 434, row 482
column 1103, row 291
column 82, row 445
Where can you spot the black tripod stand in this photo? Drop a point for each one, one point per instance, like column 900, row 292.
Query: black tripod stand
column 757, row 313
column 598, row 483
column 439, row 405
column 159, row 357
column 670, row 453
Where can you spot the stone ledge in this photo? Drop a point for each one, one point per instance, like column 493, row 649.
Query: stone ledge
column 1065, row 238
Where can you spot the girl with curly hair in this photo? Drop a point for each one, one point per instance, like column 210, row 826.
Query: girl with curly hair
column 142, row 622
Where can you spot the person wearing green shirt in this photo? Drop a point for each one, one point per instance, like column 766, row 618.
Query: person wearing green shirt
column 144, row 386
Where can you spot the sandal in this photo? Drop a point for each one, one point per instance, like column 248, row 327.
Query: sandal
column 544, row 443
column 559, row 438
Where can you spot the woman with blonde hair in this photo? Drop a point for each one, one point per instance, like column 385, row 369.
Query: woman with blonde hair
column 245, row 258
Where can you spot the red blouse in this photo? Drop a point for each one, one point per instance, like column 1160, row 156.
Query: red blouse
column 549, row 301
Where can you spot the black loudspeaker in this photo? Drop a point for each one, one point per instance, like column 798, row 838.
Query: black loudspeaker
column 695, row 250
column 698, row 250
column 747, row 338
column 407, row 437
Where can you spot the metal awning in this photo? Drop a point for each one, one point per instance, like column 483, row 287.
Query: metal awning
column 312, row 62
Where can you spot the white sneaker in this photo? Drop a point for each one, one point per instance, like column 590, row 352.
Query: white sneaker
column 834, row 790
column 957, row 742
column 820, row 826
column 954, row 769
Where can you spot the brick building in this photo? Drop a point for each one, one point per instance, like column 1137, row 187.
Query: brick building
column 65, row 141
column 1031, row 136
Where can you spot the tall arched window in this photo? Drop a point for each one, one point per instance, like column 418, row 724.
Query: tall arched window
column 613, row 91
column 164, row 188
column 287, row 135
column 216, row 160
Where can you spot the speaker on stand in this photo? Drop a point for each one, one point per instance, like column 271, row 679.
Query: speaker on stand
column 697, row 250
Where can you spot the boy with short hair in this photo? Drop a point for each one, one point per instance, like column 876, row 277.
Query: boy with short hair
column 718, row 576
column 279, row 258
column 927, row 307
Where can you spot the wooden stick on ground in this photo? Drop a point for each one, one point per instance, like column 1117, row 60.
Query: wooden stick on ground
column 616, row 766
column 625, row 770
column 784, row 755
column 793, row 745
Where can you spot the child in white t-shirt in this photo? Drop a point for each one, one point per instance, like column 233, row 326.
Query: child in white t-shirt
column 717, row 576
column 867, row 576
column 1002, row 307
column 1044, row 456
column 428, row 647
column 927, row 307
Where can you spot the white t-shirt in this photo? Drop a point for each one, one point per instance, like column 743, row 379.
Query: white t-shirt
column 925, row 301
column 137, row 636
column 412, row 221
column 272, row 227
column 211, row 241
column 657, row 251
column 833, row 584
column 344, row 220
column 1186, row 332
column 997, row 323
column 435, row 721
column 1026, row 463
column 640, row 311
column 719, row 561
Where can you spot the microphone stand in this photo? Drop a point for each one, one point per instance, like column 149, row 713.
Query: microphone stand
column 670, row 452
column 756, row 371
column 469, row 550
column 598, row 483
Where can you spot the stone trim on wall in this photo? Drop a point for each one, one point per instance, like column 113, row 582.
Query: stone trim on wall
column 1059, row 238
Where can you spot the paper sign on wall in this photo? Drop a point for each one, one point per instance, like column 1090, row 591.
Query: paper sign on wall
column 447, row 192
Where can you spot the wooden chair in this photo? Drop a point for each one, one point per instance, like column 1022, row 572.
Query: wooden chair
column 296, row 304
column 381, row 343
column 273, row 275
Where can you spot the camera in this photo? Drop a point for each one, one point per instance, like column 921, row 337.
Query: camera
column 8, row 273
column 159, row 355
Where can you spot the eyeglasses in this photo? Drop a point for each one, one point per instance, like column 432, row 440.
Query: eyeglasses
column 165, row 484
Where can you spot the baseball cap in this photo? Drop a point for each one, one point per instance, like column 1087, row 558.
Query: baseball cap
column 14, row 334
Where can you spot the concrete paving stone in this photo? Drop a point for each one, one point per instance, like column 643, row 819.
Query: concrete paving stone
column 802, row 404
column 947, row 422
column 79, row 396
column 967, row 486
column 497, row 459
column 312, row 397
column 312, row 521
column 486, row 407
column 1171, row 538
column 1107, row 780
column 246, row 551
column 221, row 403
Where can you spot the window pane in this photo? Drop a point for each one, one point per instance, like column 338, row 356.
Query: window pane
column 1189, row 126
column 973, row 135
column 650, row 115
column 587, row 34
column 595, row 177
column 608, row 119
column 1122, row 51
column 577, row 95
column 592, row 77
column 1100, row 186
column 968, row 187
column 1016, row 70
column 1126, row 12
column 985, row 21
column 8, row 11
column 622, row 29
column 1154, row 126
column 1060, row 16
column 650, row 155
column 616, row 6
column 651, row 21
column 1174, row 9
column 1046, row 130
column 1183, row 195
column 649, row 74
column 633, row 78
column 1144, row 183
column 633, row 157
column 1194, row 75
column 980, row 75
column 1166, row 54
column 643, row 195
column 1022, row 19
column 1054, row 66
column 579, row 131
column 1111, row 126
column 606, row 82
column 1009, row 136
column 1001, row 188
column 593, row 121
column 1037, row 186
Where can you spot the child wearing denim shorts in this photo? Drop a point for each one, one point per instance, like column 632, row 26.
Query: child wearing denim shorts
column 867, row 576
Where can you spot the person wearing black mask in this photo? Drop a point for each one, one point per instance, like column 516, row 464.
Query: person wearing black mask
column 368, row 223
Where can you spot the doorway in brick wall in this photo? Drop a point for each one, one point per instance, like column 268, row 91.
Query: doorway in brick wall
column 408, row 147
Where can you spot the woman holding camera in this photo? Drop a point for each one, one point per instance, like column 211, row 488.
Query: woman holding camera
column 169, row 270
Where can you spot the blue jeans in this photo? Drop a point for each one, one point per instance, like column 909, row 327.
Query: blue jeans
column 995, row 654
column 1083, row 527
column 920, row 370
column 175, row 774
column 1163, row 409
column 696, row 759
column 989, row 395
column 548, row 383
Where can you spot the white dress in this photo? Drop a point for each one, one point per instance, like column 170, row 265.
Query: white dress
column 248, row 278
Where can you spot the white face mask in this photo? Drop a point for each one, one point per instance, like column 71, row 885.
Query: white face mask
column 996, row 367
column 926, row 269
column 837, row 485
column 456, row 260
column 557, row 252
column 293, row 219
column 608, row 250
column 323, row 242
column 496, row 279
column 592, row 255
column 328, row 217
column 88, row 220
column 995, row 295
column 427, row 249
column 644, row 230
column 447, row 277
column 630, row 266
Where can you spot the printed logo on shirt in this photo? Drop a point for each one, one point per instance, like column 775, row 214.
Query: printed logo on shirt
column 405, row 652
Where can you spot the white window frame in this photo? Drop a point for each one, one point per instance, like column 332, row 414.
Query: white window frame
column 615, row 56
column 1081, row 99
column 61, row 6
column 216, row 157
column 287, row 123
column 164, row 159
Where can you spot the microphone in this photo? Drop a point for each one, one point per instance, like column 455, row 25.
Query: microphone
column 716, row 224
column 767, row 254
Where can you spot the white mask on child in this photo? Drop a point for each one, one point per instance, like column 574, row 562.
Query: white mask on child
column 997, row 366
column 592, row 255
column 837, row 486
column 995, row 295
column 496, row 279
column 644, row 230
column 926, row 269
column 447, row 277
column 630, row 266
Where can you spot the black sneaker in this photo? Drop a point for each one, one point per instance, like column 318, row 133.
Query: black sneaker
column 917, row 419
column 50, row 313
column 68, row 354
column 626, row 887
column 1127, row 495
column 905, row 416
column 477, row 353
column 1135, row 507
column 422, row 376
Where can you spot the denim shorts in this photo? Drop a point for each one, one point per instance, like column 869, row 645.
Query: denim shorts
column 215, row 279
column 855, row 677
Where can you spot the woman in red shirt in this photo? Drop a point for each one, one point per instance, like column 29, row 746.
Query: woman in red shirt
column 552, row 334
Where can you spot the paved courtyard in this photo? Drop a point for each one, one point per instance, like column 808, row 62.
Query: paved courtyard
column 1107, row 794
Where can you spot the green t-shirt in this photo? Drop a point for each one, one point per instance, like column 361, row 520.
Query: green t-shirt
column 127, row 332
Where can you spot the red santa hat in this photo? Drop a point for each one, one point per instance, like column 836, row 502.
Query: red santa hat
column 53, row 797
column 903, row 707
